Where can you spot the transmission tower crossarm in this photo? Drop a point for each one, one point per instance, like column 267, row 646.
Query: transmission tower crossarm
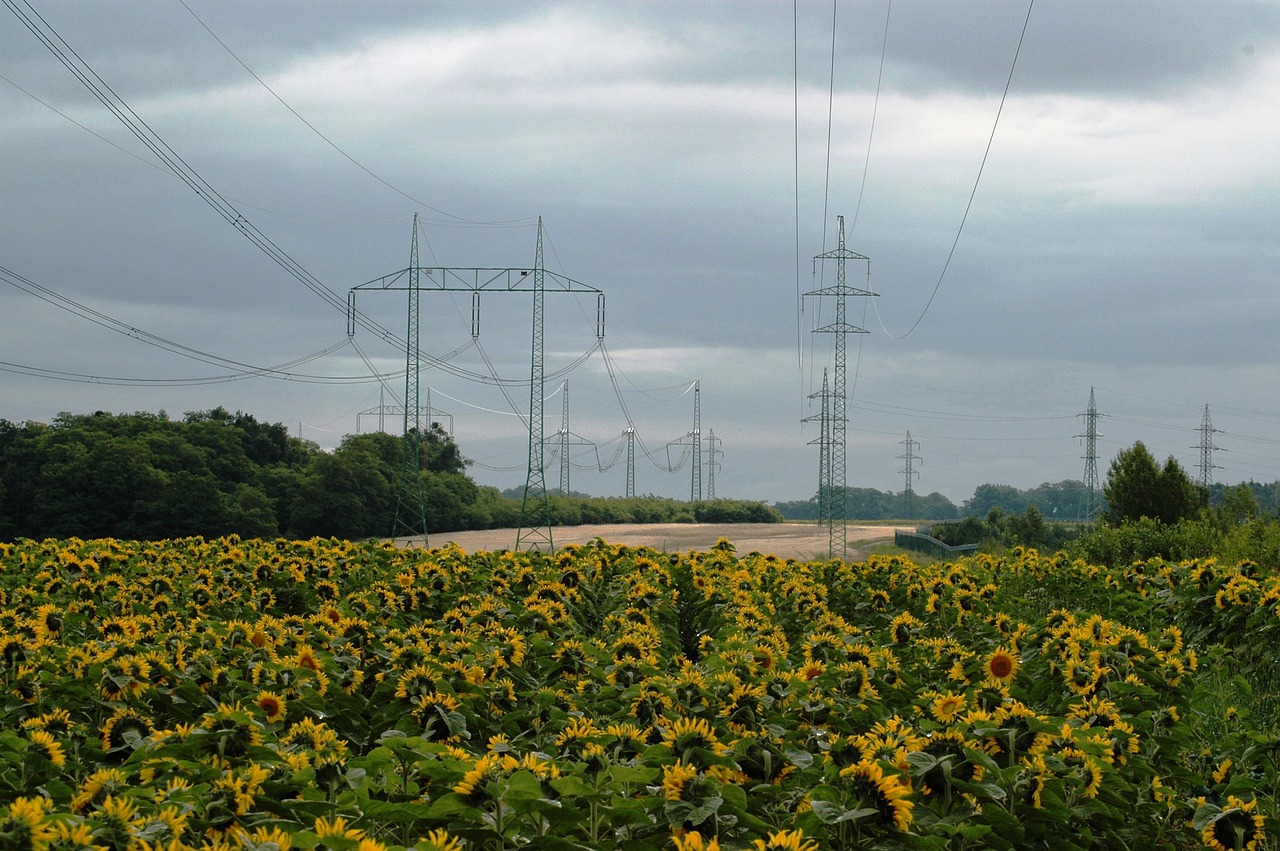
column 478, row 279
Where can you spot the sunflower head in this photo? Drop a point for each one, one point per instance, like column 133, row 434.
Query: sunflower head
column 273, row 705
column 786, row 840
column 884, row 792
column 1238, row 826
column 23, row 824
column 1001, row 665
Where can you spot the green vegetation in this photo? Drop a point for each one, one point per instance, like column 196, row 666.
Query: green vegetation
column 1152, row 512
column 1065, row 500
column 144, row 476
column 1001, row 530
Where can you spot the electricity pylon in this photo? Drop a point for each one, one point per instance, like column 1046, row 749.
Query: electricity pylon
column 909, row 458
column 1092, row 500
column 712, row 463
column 1206, row 448
column 535, row 504
column 841, row 329
column 695, row 437
column 476, row 280
column 565, row 439
column 825, row 500
column 631, row 462
column 411, row 504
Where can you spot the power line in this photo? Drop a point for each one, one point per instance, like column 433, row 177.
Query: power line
column 118, row 107
column 875, row 108
column 969, row 205
column 455, row 218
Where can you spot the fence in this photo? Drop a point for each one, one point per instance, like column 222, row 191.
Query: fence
column 929, row 545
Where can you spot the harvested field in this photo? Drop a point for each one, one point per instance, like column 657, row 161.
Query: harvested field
column 805, row 541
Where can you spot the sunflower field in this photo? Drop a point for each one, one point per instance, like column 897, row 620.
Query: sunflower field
column 273, row 695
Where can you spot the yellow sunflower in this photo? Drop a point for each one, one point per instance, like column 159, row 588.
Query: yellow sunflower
column 1001, row 665
column 675, row 778
column 887, row 793
column 946, row 707
column 693, row 841
column 337, row 827
column 1238, row 826
column 273, row 705
column 441, row 840
column 24, row 826
column 786, row 840
column 49, row 746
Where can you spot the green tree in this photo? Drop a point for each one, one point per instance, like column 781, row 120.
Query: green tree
column 1137, row 487
column 1007, row 498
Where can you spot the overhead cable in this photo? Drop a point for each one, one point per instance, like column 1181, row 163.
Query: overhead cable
column 452, row 219
column 969, row 205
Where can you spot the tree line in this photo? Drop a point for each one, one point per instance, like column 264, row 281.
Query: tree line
column 149, row 477
column 1065, row 500
column 1149, row 510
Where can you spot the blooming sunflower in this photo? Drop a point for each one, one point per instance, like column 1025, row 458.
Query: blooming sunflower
column 693, row 740
column 786, row 840
column 440, row 840
column 121, row 728
column 693, row 841
column 273, row 705
column 885, row 792
column 49, row 746
column 471, row 786
column 262, row 838
column 1001, row 665
column 946, row 707
column 77, row 836
column 337, row 827
column 1238, row 826
column 676, row 779
column 113, row 822
column 23, row 824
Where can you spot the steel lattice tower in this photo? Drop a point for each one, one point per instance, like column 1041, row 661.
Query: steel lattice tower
column 631, row 462
column 712, row 452
column 564, row 440
column 695, row 437
column 1090, row 436
column 535, row 506
column 411, row 506
column 909, row 458
column 1206, row 448
column 825, row 517
column 839, row 417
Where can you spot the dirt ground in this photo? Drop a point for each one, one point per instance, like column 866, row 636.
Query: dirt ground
column 803, row 541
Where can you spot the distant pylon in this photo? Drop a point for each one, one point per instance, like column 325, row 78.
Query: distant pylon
column 1206, row 448
column 1092, row 497
column 631, row 462
column 564, row 440
column 825, row 516
column 841, row 329
column 712, row 463
column 695, row 436
column 909, row 458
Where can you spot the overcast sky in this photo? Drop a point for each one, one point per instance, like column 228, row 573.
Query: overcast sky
column 689, row 160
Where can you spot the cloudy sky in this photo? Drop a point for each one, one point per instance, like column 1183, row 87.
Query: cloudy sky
column 689, row 160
